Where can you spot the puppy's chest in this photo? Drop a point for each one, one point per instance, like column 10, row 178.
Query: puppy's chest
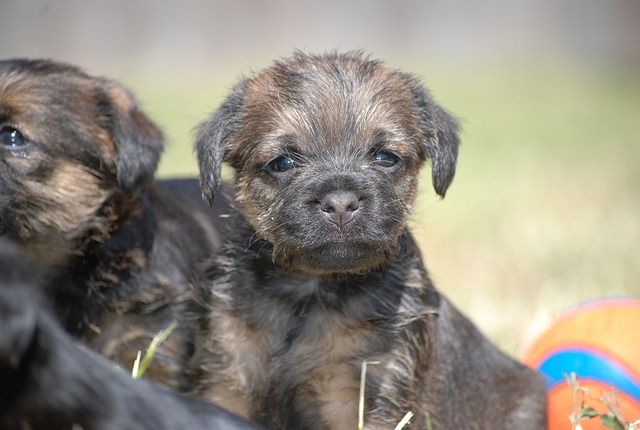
column 307, row 342
column 302, row 364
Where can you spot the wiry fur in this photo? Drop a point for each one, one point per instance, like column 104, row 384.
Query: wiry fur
column 77, row 160
column 51, row 382
column 321, row 273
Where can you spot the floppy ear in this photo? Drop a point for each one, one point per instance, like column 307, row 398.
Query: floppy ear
column 215, row 138
column 440, row 137
column 138, row 142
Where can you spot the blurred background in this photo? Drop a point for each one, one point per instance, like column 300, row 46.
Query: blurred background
column 545, row 209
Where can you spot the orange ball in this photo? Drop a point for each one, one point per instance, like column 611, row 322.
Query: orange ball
column 600, row 342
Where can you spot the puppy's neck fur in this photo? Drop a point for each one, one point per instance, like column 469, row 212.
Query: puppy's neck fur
column 110, row 254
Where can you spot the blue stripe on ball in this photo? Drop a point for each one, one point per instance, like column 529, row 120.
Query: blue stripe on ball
column 589, row 364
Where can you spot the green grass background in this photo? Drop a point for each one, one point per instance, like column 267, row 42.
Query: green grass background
column 544, row 211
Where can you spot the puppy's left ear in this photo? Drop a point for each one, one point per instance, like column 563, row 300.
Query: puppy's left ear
column 441, row 138
column 138, row 142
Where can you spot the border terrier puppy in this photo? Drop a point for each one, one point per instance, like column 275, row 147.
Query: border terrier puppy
column 77, row 159
column 50, row 382
column 321, row 273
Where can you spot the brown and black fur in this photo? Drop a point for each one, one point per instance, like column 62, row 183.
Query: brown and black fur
column 49, row 381
column 77, row 161
column 321, row 272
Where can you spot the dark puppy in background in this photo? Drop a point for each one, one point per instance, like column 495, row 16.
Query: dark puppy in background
column 50, row 382
column 321, row 272
column 77, row 160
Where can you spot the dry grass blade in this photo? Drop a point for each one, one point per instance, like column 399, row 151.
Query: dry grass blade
column 363, row 378
column 404, row 421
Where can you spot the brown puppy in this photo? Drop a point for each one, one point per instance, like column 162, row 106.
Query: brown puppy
column 77, row 159
column 322, row 273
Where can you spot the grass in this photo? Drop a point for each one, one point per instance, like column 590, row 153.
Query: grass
column 363, row 379
column 142, row 363
column 611, row 417
column 543, row 213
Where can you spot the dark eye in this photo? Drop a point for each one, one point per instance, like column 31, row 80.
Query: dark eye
column 9, row 136
column 385, row 159
column 281, row 164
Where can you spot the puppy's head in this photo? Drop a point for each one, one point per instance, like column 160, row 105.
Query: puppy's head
column 327, row 151
column 68, row 142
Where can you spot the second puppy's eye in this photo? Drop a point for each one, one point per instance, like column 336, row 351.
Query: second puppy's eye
column 11, row 137
column 282, row 163
column 385, row 159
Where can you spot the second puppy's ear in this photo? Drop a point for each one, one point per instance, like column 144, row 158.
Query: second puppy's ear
column 214, row 140
column 137, row 140
column 440, row 130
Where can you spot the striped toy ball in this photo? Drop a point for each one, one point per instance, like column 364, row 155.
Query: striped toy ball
column 600, row 342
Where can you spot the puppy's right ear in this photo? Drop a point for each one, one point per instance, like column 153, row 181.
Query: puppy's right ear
column 215, row 138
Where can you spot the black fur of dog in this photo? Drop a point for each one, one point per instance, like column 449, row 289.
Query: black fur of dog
column 51, row 382
column 77, row 161
column 321, row 273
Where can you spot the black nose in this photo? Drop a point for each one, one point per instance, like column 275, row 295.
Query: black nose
column 340, row 207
